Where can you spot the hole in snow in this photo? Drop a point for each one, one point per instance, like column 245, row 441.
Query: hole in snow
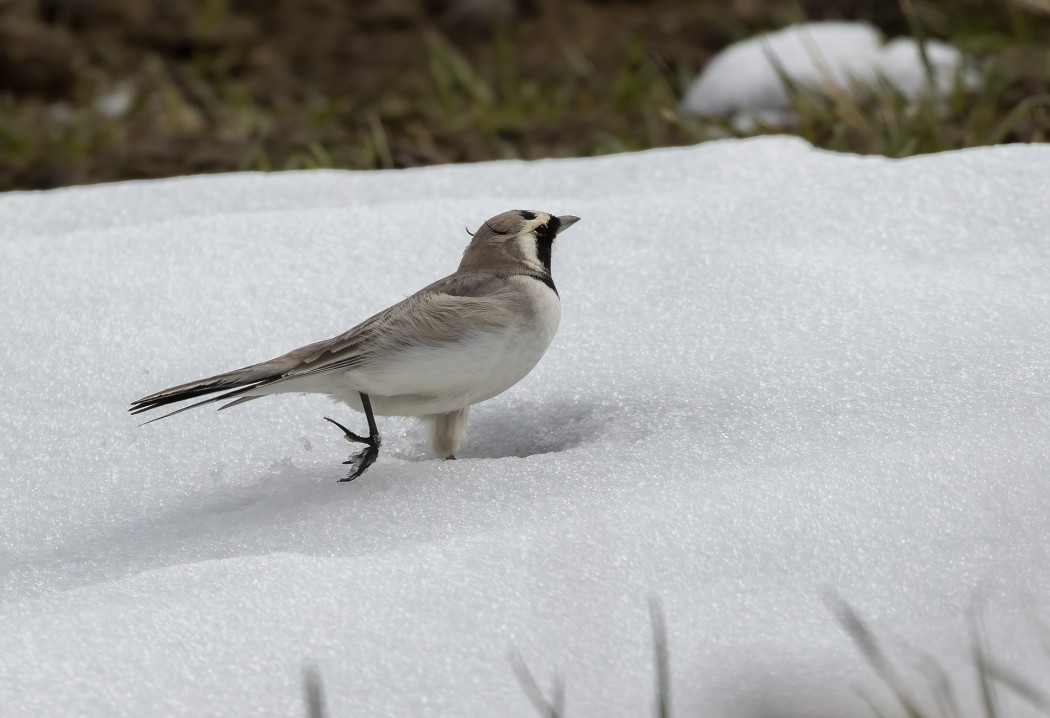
column 524, row 429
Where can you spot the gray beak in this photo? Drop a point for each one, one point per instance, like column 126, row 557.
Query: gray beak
column 566, row 221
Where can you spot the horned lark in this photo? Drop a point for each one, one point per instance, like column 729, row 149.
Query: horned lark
column 463, row 339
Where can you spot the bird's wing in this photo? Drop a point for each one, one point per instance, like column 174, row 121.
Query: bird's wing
column 448, row 311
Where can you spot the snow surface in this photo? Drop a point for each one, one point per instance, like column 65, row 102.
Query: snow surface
column 744, row 80
column 780, row 373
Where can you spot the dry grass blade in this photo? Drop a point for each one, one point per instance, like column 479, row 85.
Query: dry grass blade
column 986, row 684
column 940, row 686
column 1042, row 6
column 872, row 651
column 662, row 659
column 1015, row 683
column 553, row 708
column 1024, row 107
column 313, row 692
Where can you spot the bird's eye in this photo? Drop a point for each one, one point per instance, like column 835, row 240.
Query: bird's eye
column 527, row 214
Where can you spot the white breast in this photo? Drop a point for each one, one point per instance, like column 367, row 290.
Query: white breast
column 512, row 355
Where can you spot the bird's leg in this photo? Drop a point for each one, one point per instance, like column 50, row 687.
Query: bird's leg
column 368, row 455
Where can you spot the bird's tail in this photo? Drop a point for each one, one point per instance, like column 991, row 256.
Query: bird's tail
column 238, row 385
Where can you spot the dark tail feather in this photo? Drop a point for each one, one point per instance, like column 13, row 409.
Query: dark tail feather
column 241, row 382
column 211, row 400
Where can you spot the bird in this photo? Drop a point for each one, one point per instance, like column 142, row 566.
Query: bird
column 459, row 341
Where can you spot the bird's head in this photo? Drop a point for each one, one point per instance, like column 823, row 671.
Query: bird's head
column 520, row 238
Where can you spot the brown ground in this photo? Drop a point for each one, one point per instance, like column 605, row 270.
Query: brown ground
column 218, row 85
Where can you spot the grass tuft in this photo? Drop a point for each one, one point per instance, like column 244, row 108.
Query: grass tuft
column 992, row 677
column 224, row 99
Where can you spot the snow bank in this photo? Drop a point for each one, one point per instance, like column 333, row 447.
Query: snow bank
column 780, row 373
column 745, row 80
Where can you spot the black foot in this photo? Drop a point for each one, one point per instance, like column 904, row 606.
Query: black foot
column 363, row 458
column 361, row 461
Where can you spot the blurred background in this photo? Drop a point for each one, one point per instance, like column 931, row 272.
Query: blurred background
column 102, row 90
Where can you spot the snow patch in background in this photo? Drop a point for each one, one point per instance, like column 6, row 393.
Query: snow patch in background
column 744, row 81
column 781, row 372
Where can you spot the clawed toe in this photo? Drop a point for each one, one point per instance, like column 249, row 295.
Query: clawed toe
column 349, row 435
column 361, row 461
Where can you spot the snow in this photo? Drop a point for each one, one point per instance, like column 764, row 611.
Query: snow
column 117, row 102
column 781, row 374
column 744, row 80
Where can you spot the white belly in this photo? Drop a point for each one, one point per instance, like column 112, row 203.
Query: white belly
column 437, row 380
